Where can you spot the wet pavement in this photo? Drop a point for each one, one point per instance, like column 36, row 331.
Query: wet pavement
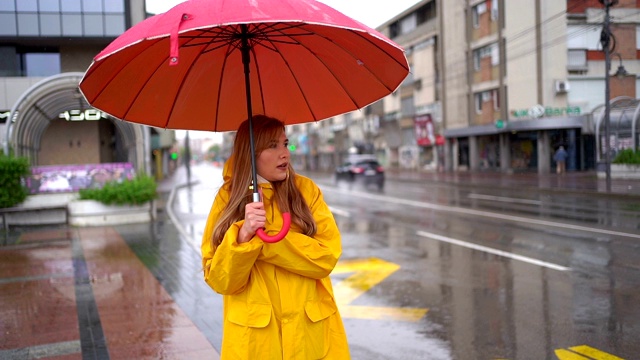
column 135, row 291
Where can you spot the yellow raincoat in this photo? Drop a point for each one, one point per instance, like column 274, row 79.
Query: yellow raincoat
column 278, row 298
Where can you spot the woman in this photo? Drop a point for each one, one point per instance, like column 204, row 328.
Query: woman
column 278, row 299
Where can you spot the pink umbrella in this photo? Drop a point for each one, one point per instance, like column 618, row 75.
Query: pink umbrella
column 211, row 64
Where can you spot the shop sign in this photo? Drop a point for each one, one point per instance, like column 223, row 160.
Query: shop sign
column 80, row 115
column 425, row 134
column 4, row 115
column 538, row 111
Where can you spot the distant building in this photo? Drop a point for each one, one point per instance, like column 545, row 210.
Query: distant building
column 45, row 47
column 495, row 85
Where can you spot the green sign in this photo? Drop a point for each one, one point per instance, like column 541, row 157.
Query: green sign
column 500, row 124
column 546, row 111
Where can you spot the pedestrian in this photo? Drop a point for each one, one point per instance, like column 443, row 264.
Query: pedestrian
column 560, row 158
column 278, row 299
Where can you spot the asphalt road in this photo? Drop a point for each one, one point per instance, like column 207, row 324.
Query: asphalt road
column 448, row 271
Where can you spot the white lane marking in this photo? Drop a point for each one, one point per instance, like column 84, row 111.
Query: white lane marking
column 426, row 205
column 504, row 199
column 492, row 251
column 340, row 212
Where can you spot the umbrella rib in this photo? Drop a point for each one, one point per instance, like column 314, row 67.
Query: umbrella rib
column 191, row 65
column 306, row 101
column 347, row 51
column 133, row 101
column 114, row 74
column 224, row 64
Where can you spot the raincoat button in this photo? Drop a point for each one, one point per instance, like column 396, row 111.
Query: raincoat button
column 286, row 321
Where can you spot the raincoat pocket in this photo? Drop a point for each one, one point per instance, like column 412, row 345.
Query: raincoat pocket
column 254, row 315
column 318, row 327
column 321, row 309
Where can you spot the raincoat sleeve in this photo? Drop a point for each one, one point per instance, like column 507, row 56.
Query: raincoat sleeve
column 227, row 267
column 313, row 257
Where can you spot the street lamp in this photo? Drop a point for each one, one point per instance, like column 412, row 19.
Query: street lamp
column 621, row 72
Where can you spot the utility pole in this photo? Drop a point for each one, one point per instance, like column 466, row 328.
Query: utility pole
column 605, row 41
column 187, row 156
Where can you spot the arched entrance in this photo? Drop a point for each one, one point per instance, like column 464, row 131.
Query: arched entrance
column 52, row 124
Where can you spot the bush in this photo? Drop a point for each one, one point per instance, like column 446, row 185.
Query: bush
column 627, row 156
column 136, row 191
column 12, row 188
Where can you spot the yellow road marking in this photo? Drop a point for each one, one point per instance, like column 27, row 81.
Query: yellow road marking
column 367, row 274
column 583, row 352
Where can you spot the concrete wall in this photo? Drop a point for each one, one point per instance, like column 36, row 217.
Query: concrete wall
column 455, row 101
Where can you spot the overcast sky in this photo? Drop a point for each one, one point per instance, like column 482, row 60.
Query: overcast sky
column 372, row 13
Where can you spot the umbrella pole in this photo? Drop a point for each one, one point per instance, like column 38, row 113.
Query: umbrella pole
column 246, row 59
column 286, row 217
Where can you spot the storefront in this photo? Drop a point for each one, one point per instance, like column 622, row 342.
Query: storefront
column 525, row 145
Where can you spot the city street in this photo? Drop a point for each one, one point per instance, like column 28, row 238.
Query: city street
column 454, row 271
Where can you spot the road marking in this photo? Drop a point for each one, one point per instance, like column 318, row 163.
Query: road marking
column 584, row 352
column 504, row 199
column 492, row 251
column 426, row 205
column 367, row 274
column 339, row 212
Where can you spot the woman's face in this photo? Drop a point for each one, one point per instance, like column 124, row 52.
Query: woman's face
column 273, row 162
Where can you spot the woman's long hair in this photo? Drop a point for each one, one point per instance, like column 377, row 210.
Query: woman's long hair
column 286, row 194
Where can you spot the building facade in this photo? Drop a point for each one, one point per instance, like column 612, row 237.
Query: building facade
column 45, row 47
column 495, row 85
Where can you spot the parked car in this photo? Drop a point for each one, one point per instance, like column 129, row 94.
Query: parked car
column 361, row 169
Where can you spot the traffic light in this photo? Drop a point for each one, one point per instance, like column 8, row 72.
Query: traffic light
column 292, row 147
column 174, row 155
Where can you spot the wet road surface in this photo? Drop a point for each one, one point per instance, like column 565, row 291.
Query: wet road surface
column 430, row 270
column 455, row 272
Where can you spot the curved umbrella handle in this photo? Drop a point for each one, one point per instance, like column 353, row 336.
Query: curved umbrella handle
column 286, row 219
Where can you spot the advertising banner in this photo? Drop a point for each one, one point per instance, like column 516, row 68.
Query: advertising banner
column 71, row 178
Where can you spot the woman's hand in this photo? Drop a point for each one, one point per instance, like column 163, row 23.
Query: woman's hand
column 255, row 217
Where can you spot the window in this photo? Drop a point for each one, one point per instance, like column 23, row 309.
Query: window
column 407, row 107
column 41, row 64
column 584, row 37
column 478, row 102
column 577, row 60
column 62, row 18
column 476, row 11
column 494, row 10
column 486, row 51
column 408, row 24
column 496, row 98
column 49, row 5
column 483, row 97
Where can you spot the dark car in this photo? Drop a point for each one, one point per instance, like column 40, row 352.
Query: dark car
column 361, row 170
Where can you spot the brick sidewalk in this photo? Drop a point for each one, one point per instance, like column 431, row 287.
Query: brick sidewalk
column 124, row 292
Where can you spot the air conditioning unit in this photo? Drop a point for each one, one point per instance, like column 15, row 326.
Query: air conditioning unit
column 561, row 86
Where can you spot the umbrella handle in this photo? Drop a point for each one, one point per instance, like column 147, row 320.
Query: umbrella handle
column 286, row 219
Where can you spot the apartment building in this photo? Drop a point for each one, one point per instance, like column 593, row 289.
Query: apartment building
column 495, row 85
column 45, row 47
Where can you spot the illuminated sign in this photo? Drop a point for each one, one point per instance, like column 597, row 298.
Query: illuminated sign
column 538, row 111
column 80, row 115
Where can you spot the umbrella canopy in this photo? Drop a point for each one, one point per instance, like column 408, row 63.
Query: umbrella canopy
column 184, row 69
